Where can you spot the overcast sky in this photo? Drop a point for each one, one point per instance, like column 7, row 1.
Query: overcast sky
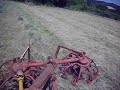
column 112, row 1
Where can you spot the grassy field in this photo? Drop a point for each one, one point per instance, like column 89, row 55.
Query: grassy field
column 46, row 27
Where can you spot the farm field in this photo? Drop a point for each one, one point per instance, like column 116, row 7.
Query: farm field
column 46, row 27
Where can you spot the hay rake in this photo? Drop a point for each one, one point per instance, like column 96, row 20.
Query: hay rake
column 25, row 74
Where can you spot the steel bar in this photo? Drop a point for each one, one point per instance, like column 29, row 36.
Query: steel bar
column 41, row 80
column 22, row 56
column 34, row 64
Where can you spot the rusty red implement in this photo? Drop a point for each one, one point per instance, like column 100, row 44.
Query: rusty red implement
column 41, row 75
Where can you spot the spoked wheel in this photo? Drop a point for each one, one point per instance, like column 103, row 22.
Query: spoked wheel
column 90, row 74
column 5, row 72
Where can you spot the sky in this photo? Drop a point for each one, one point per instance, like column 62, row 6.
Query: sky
column 112, row 1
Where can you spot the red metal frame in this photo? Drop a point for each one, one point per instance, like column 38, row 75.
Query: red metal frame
column 79, row 65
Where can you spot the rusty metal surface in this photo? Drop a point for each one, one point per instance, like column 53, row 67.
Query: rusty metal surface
column 42, row 79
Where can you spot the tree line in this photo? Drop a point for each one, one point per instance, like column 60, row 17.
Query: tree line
column 57, row 3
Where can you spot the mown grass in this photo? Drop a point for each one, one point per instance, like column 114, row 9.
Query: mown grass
column 42, row 40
